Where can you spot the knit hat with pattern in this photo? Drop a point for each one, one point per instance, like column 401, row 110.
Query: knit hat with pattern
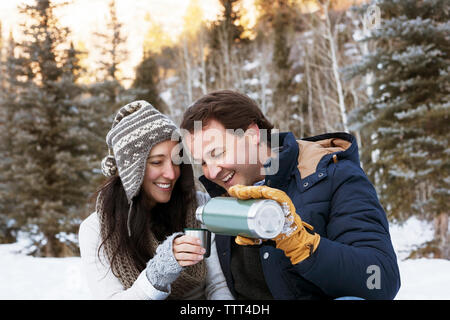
column 137, row 127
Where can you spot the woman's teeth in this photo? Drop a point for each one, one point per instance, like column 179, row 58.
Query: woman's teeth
column 228, row 177
column 163, row 185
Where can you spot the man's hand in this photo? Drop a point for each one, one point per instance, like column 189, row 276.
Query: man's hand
column 296, row 242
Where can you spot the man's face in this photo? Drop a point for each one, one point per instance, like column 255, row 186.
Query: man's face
column 227, row 158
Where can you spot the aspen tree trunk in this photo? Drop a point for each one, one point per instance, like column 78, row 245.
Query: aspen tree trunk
column 226, row 57
column 441, row 234
column 308, row 83
column 202, row 61
column 187, row 64
column 335, row 66
column 322, row 102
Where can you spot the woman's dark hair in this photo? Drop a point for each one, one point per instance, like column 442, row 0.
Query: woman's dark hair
column 163, row 219
column 232, row 109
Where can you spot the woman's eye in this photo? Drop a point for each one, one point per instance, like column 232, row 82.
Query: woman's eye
column 219, row 154
column 155, row 163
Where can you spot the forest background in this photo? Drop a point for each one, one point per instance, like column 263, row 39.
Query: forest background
column 379, row 70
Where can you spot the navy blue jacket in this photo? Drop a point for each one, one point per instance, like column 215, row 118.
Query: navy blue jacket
column 355, row 256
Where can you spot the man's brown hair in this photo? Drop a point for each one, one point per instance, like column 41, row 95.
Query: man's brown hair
column 232, row 109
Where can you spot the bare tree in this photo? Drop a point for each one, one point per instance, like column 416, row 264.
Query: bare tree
column 330, row 35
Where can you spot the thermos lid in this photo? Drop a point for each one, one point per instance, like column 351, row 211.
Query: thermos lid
column 266, row 218
column 199, row 213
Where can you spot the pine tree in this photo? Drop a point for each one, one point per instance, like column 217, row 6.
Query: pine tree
column 282, row 64
column 107, row 94
column 407, row 114
column 192, row 53
column 146, row 82
column 226, row 34
column 8, row 227
column 9, row 222
column 114, row 52
column 50, row 167
column 112, row 45
column 276, row 25
column 1, row 54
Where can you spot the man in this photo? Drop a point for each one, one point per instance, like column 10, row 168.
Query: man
column 336, row 240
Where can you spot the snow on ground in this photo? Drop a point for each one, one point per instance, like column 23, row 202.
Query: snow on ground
column 25, row 277
column 409, row 236
column 424, row 279
column 420, row 278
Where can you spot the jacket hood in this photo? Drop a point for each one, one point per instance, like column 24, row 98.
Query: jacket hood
column 317, row 151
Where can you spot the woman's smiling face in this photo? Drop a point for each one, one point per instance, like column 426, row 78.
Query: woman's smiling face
column 160, row 172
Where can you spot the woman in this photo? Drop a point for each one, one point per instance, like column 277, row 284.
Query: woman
column 132, row 246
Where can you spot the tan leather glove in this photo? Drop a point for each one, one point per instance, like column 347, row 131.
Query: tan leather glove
column 297, row 243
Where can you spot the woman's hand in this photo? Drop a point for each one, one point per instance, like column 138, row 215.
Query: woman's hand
column 187, row 250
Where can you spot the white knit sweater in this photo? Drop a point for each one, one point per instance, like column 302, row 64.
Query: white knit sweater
column 104, row 285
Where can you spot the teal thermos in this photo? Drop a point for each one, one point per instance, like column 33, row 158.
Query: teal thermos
column 254, row 218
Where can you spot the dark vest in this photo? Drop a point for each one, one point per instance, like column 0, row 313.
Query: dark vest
column 247, row 272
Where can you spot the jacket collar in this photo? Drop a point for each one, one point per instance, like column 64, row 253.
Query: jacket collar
column 287, row 155
column 350, row 151
column 213, row 189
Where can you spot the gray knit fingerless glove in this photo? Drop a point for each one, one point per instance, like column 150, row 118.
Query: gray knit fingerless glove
column 163, row 268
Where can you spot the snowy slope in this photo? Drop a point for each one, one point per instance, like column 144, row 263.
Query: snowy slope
column 420, row 278
column 25, row 277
